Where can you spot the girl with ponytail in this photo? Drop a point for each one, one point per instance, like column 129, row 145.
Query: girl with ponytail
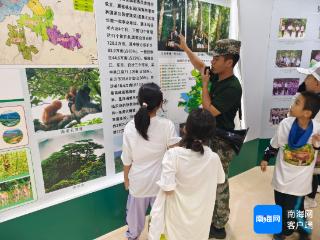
column 145, row 141
column 190, row 173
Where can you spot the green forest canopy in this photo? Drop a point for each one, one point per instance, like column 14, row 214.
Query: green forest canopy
column 55, row 82
column 13, row 164
column 294, row 21
column 171, row 15
column 209, row 19
column 74, row 163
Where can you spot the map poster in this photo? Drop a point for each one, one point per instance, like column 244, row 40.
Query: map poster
column 46, row 32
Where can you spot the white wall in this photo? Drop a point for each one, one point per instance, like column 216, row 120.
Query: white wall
column 12, row 88
column 254, row 30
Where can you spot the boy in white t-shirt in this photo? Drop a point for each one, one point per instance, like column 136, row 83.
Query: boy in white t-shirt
column 297, row 140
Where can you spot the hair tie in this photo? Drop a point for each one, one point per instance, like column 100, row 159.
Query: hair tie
column 144, row 105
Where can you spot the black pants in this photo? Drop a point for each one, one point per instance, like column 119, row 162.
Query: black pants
column 315, row 183
column 289, row 204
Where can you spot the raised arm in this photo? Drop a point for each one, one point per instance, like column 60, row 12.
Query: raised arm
column 194, row 59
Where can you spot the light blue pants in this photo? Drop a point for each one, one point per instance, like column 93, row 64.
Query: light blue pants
column 136, row 215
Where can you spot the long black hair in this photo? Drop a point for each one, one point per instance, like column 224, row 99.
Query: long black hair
column 149, row 97
column 200, row 127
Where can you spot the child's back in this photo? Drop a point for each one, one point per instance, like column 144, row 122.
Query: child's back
column 190, row 173
column 145, row 156
column 145, row 140
column 189, row 209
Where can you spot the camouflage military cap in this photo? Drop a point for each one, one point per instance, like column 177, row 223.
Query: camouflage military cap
column 226, row 47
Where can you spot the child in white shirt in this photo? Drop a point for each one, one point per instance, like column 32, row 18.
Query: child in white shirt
column 296, row 139
column 145, row 141
column 184, row 206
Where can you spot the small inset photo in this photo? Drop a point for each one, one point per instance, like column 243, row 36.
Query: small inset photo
column 15, row 192
column 13, row 128
column 277, row 115
column 285, row 86
column 72, row 159
column 171, row 23
column 315, row 56
column 292, row 28
column 288, row 58
column 64, row 97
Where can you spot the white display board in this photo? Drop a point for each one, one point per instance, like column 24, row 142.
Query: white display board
column 72, row 70
column 294, row 41
column 49, row 62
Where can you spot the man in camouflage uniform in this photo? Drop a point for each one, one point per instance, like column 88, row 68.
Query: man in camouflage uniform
column 223, row 100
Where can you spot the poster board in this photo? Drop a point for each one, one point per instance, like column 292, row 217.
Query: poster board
column 294, row 42
column 75, row 77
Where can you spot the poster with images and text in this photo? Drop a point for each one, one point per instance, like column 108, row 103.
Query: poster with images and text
column 46, row 32
column 128, row 45
column 293, row 43
column 205, row 22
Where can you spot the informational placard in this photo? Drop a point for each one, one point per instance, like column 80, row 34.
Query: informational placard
column 47, row 32
column 294, row 42
column 127, row 31
column 51, row 109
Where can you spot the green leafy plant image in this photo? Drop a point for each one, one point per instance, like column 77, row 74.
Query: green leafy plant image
column 75, row 163
column 76, row 90
column 206, row 24
column 89, row 122
column 118, row 162
column 56, row 82
column 13, row 164
column 15, row 192
column 192, row 99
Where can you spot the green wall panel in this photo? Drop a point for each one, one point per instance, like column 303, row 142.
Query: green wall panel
column 80, row 219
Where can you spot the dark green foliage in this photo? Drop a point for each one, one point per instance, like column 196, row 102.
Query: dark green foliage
column 73, row 164
column 118, row 164
column 219, row 24
column 294, row 21
column 55, row 82
column 210, row 21
column 89, row 122
column 172, row 17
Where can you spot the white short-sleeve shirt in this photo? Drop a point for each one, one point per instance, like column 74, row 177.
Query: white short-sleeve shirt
column 294, row 169
column 193, row 178
column 145, row 157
